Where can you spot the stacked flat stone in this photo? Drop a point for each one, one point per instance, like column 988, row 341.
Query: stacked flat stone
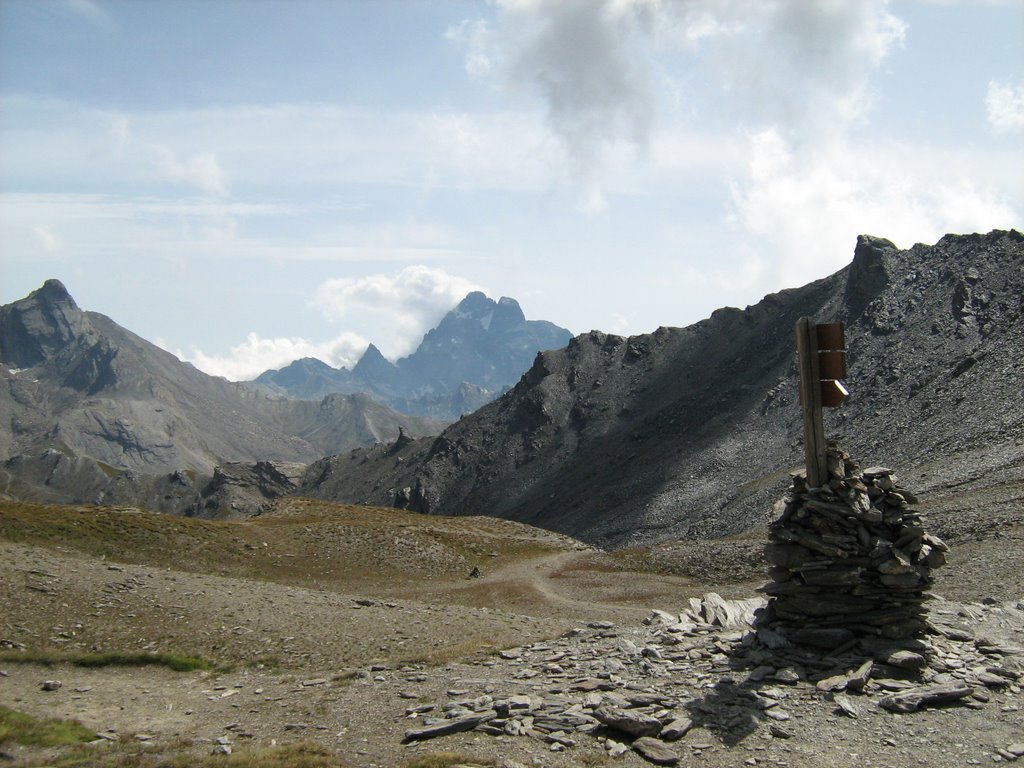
column 850, row 559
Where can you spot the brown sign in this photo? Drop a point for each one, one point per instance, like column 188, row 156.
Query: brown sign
column 831, row 338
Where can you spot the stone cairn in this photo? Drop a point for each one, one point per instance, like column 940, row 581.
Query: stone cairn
column 851, row 562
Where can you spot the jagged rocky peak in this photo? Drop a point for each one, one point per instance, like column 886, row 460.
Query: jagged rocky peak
column 38, row 326
column 372, row 360
column 493, row 316
column 868, row 274
column 508, row 313
column 54, row 294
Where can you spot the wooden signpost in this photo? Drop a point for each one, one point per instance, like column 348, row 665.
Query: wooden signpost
column 822, row 350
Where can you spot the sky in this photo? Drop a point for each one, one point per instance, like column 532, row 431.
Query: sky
column 248, row 182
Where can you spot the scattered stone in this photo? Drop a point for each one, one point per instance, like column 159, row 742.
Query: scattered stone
column 787, row 676
column 615, row 748
column 52, row 685
column 633, row 723
column 455, row 725
column 846, row 705
column 676, row 729
column 906, row 660
column 918, row 698
column 655, row 751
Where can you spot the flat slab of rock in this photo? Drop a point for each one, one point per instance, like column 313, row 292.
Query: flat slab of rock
column 633, row 723
column 853, row 681
column 655, row 751
column 914, row 699
column 455, row 725
column 676, row 729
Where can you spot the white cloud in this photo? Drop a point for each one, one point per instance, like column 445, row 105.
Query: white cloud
column 281, row 150
column 586, row 61
column 802, row 67
column 393, row 310
column 600, row 66
column 803, row 210
column 399, row 307
column 255, row 355
column 475, row 36
column 202, row 171
column 1004, row 106
column 46, row 238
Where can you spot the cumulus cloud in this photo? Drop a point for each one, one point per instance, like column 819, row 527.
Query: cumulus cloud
column 599, row 66
column 400, row 307
column 1004, row 106
column 255, row 355
column 804, row 210
column 392, row 310
column 803, row 67
column 586, row 60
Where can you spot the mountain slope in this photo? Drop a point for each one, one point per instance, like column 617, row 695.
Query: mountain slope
column 477, row 351
column 692, row 431
column 77, row 382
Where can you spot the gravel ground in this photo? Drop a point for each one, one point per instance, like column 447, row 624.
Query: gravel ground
column 343, row 670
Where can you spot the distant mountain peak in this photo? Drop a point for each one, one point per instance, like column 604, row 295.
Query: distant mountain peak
column 481, row 343
column 38, row 326
column 373, row 365
column 372, row 353
column 508, row 313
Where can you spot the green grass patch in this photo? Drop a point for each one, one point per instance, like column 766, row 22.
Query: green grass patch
column 446, row 760
column 299, row 755
column 170, row 660
column 19, row 728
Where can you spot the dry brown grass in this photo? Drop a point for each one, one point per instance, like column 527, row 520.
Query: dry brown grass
column 303, row 542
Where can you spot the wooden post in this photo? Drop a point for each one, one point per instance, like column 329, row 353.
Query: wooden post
column 810, row 400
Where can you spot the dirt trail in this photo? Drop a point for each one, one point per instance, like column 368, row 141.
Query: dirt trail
column 350, row 666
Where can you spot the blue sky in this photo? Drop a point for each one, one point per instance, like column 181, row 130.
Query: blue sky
column 246, row 182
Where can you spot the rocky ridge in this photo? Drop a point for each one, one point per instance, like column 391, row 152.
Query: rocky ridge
column 91, row 413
